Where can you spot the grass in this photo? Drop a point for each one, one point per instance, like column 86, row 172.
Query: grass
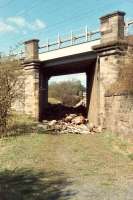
column 22, row 125
column 130, row 155
column 43, row 166
column 63, row 167
column 53, row 100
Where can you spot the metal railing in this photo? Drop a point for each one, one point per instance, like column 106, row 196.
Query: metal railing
column 128, row 24
column 71, row 39
column 74, row 38
column 13, row 55
column 17, row 53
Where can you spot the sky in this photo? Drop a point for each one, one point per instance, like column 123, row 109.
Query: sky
column 21, row 20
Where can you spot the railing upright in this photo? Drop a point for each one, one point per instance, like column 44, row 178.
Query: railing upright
column 70, row 40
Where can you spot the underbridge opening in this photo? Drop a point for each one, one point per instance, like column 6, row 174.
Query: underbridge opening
column 67, row 95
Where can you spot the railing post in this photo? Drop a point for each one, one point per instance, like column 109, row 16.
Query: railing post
column 59, row 41
column 71, row 38
column 127, row 24
column 90, row 34
column 86, row 33
column 48, row 45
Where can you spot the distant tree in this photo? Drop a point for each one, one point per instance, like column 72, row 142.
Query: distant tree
column 68, row 92
column 10, row 88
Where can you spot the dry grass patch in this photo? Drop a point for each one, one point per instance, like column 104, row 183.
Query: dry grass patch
column 64, row 163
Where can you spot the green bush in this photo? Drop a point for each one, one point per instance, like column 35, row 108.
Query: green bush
column 68, row 92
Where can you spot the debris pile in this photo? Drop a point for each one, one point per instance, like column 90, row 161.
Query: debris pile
column 63, row 119
column 81, row 103
column 72, row 123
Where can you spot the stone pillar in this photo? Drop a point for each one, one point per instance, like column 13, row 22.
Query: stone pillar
column 31, row 50
column 110, row 53
column 112, row 27
column 32, row 79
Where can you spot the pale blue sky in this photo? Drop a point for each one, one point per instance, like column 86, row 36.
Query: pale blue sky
column 22, row 20
column 43, row 19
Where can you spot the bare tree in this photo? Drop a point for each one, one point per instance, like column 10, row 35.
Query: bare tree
column 11, row 85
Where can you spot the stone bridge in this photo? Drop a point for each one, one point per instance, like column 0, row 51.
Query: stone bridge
column 100, row 59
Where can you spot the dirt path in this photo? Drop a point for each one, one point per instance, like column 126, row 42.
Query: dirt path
column 96, row 172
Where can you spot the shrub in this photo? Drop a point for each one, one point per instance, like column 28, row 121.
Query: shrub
column 11, row 85
column 68, row 92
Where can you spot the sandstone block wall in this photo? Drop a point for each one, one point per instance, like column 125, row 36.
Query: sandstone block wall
column 32, row 92
column 112, row 27
column 119, row 113
column 116, row 92
column 108, row 75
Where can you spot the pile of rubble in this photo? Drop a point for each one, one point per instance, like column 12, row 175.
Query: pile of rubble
column 62, row 119
column 72, row 123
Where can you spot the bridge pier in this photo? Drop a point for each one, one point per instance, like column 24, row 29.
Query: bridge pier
column 36, row 82
column 32, row 76
column 110, row 54
column 32, row 79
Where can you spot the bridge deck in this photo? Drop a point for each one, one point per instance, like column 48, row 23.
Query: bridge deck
column 68, row 51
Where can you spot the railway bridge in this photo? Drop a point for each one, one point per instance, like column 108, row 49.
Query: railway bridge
column 98, row 54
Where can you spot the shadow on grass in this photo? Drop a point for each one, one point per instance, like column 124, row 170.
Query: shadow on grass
column 29, row 185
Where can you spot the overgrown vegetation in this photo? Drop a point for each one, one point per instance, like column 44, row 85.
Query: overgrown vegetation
column 67, row 92
column 11, row 86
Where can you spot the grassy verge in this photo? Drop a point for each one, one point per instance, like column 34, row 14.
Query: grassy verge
column 44, row 166
column 21, row 125
column 85, row 154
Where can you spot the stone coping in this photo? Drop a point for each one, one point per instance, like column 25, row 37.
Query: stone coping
column 30, row 41
column 121, row 13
